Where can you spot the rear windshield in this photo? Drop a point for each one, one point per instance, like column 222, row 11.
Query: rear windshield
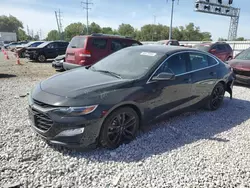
column 245, row 55
column 202, row 47
column 77, row 42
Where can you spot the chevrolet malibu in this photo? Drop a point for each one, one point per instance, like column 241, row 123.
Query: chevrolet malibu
column 107, row 103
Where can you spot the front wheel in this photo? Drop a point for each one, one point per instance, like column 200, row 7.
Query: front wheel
column 41, row 58
column 119, row 127
column 216, row 98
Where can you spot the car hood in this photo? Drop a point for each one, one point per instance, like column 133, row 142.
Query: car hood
column 240, row 64
column 80, row 82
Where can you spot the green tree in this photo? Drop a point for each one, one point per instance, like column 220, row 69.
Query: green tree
column 10, row 24
column 107, row 30
column 36, row 37
column 126, row 30
column 21, row 35
column 53, row 35
column 73, row 30
column 95, row 28
column 240, row 39
column 222, row 39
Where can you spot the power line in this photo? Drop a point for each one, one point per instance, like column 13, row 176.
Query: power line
column 85, row 5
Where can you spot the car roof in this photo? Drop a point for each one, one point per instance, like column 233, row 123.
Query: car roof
column 163, row 48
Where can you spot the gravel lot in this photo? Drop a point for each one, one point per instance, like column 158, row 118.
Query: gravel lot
column 198, row 149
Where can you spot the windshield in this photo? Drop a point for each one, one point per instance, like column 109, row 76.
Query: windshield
column 202, row 47
column 77, row 42
column 129, row 62
column 245, row 55
column 43, row 44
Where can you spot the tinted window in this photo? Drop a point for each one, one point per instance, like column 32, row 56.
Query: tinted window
column 52, row 45
column 198, row 61
column 221, row 47
column 211, row 61
column 174, row 43
column 129, row 62
column 62, row 44
column 36, row 44
column 177, row 64
column 99, row 43
column 228, row 47
column 116, row 45
column 77, row 42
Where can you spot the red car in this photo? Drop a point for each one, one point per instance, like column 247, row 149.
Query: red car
column 241, row 67
column 88, row 49
column 221, row 50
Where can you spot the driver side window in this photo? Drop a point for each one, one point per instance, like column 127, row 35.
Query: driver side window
column 176, row 64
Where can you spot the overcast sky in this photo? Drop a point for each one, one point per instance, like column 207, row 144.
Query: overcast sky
column 41, row 14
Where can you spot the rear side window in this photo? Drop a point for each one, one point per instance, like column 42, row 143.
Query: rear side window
column 198, row 61
column 99, row 43
column 52, row 45
column 221, row 47
column 63, row 44
column 228, row 47
column 211, row 61
column 116, row 45
column 77, row 42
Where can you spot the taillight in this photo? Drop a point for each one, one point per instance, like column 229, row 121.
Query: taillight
column 86, row 53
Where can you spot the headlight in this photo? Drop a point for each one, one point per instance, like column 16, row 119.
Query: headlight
column 76, row 111
column 61, row 61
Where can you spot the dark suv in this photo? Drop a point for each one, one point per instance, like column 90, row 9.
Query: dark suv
column 47, row 50
column 86, row 50
column 221, row 50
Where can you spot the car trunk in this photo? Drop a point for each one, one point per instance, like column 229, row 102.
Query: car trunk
column 76, row 53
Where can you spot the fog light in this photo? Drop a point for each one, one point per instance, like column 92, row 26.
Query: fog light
column 71, row 132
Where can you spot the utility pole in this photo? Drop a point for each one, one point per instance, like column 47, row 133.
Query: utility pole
column 59, row 22
column 171, row 22
column 85, row 5
column 28, row 31
column 40, row 34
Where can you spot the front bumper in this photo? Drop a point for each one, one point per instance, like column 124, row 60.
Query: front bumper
column 68, row 66
column 31, row 56
column 68, row 131
column 242, row 79
column 57, row 65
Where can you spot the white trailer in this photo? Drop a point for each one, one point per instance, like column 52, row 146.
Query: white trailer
column 8, row 36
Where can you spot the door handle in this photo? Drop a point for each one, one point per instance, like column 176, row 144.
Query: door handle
column 212, row 73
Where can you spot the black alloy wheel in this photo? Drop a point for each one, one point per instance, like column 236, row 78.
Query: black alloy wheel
column 41, row 58
column 119, row 127
column 216, row 97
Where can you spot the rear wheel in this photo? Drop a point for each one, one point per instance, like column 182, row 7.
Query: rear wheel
column 216, row 98
column 120, row 127
column 41, row 58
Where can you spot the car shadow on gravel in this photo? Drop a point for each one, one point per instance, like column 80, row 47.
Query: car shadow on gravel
column 7, row 75
column 175, row 132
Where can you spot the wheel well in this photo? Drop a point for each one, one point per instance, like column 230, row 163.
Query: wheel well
column 134, row 107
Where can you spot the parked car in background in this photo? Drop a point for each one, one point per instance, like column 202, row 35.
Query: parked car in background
column 46, row 50
column 169, row 42
column 221, row 50
column 241, row 67
column 22, row 48
column 58, row 62
column 11, row 45
column 107, row 103
column 87, row 50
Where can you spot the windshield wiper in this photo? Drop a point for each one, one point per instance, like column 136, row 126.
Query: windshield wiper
column 109, row 72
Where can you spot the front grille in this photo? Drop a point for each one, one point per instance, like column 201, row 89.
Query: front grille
column 44, row 105
column 42, row 121
column 242, row 72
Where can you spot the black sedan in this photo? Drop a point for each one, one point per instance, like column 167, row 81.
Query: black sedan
column 108, row 102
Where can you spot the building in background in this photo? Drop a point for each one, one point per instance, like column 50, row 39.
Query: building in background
column 8, row 36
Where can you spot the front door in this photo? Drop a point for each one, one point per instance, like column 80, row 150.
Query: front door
column 51, row 50
column 171, row 95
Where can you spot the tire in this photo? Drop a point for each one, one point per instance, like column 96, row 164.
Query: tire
column 119, row 127
column 216, row 98
column 41, row 58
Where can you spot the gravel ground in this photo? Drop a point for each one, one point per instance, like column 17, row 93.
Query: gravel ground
column 198, row 149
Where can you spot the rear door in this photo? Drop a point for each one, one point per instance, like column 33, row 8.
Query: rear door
column 98, row 48
column 62, row 46
column 204, row 75
column 51, row 50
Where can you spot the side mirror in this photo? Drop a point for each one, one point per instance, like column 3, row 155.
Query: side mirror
column 164, row 76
